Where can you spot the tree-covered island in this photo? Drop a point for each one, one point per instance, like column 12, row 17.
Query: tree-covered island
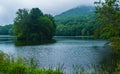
column 32, row 26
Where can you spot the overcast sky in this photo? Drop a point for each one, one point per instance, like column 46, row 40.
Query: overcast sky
column 8, row 8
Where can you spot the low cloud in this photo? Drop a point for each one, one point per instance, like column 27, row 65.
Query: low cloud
column 8, row 8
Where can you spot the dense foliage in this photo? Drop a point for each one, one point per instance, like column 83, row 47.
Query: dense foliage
column 34, row 26
column 108, row 15
column 6, row 30
column 76, row 22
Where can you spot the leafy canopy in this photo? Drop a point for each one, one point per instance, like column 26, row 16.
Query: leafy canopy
column 108, row 15
column 33, row 26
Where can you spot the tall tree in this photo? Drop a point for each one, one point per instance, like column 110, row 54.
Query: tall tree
column 108, row 15
column 20, row 24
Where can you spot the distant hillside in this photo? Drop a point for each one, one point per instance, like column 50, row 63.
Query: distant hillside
column 77, row 21
column 6, row 30
column 76, row 12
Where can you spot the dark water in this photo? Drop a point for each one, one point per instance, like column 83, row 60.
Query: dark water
column 67, row 51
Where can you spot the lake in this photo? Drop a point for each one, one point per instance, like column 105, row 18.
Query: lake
column 67, row 50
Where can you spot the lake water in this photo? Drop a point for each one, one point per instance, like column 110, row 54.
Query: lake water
column 67, row 51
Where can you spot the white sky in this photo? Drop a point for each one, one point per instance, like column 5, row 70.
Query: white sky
column 8, row 8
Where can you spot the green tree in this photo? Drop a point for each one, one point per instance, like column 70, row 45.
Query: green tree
column 20, row 24
column 34, row 26
column 6, row 30
column 108, row 16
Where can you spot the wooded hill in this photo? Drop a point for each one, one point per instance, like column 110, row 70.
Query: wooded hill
column 79, row 21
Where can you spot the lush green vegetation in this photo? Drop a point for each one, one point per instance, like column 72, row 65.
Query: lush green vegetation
column 18, row 65
column 9, row 65
column 108, row 15
column 78, row 21
column 33, row 26
column 6, row 30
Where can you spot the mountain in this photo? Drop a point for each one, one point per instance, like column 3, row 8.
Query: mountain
column 76, row 22
column 78, row 11
column 78, row 14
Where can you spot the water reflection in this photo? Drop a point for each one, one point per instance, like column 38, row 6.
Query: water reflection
column 65, row 51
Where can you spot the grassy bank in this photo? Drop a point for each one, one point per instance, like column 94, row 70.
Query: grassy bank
column 9, row 65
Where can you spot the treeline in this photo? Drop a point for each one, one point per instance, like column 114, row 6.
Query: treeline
column 77, row 27
column 79, row 21
column 6, row 30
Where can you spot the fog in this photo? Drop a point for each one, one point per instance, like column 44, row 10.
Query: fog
column 8, row 8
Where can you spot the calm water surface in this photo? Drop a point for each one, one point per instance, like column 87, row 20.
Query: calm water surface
column 67, row 51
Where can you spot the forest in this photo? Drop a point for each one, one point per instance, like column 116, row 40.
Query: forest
column 79, row 21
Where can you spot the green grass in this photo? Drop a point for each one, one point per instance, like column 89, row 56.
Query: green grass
column 9, row 65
